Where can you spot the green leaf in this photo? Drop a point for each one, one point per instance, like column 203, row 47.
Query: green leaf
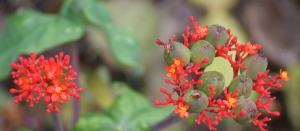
column 126, row 105
column 130, row 112
column 124, row 45
column 31, row 31
column 292, row 97
column 131, row 15
column 143, row 120
column 96, row 12
column 95, row 122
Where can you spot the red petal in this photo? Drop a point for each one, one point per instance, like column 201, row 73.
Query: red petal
column 64, row 96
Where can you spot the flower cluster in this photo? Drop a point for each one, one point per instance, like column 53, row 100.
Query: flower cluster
column 233, row 104
column 50, row 79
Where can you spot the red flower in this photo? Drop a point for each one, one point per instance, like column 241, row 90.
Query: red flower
column 45, row 78
column 284, row 76
column 182, row 110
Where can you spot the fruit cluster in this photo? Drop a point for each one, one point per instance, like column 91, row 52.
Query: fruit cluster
column 206, row 92
column 50, row 79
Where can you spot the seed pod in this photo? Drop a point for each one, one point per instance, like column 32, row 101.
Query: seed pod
column 250, row 108
column 255, row 63
column 196, row 100
column 217, row 35
column 200, row 50
column 242, row 83
column 179, row 50
column 212, row 77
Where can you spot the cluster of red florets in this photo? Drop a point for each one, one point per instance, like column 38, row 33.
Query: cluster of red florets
column 50, row 79
column 176, row 76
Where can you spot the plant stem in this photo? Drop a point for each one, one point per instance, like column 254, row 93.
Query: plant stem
column 64, row 9
column 169, row 120
column 57, row 122
column 75, row 65
column 195, row 77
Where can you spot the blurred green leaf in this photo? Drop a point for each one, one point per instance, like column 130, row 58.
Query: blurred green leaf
column 95, row 122
column 143, row 120
column 98, row 82
column 124, row 46
column 96, row 12
column 130, row 112
column 146, row 27
column 31, row 31
column 292, row 97
column 128, row 104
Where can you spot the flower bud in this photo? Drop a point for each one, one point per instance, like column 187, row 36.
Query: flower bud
column 200, row 50
column 255, row 63
column 217, row 35
column 212, row 78
column 250, row 108
column 179, row 50
column 242, row 83
column 196, row 100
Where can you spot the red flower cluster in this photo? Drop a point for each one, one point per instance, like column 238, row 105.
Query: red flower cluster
column 176, row 76
column 50, row 79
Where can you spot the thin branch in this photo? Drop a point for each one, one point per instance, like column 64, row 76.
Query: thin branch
column 169, row 120
column 57, row 122
column 75, row 65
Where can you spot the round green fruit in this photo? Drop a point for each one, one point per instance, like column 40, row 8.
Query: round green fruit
column 178, row 50
column 242, row 83
column 212, row 77
column 196, row 100
column 217, row 35
column 250, row 108
column 200, row 50
column 256, row 63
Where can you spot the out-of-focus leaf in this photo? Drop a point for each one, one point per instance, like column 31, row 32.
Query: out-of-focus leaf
column 127, row 105
column 132, row 16
column 98, row 84
column 95, row 122
column 31, row 31
column 130, row 112
column 292, row 97
column 143, row 120
column 125, row 46
column 96, row 12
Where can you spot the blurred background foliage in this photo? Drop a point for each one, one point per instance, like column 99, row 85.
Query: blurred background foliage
column 115, row 42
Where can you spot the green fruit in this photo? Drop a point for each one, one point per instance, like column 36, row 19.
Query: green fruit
column 217, row 35
column 242, row 83
column 212, row 77
column 250, row 108
column 200, row 50
column 177, row 50
column 255, row 63
column 196, row 100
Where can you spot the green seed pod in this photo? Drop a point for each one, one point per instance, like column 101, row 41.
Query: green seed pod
column 255, row 63
column 179, row 50
column 250, row 108
column 200, row 50
column 196, row 100
column 242, row 83
column 212, row 77
column 217, row 35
